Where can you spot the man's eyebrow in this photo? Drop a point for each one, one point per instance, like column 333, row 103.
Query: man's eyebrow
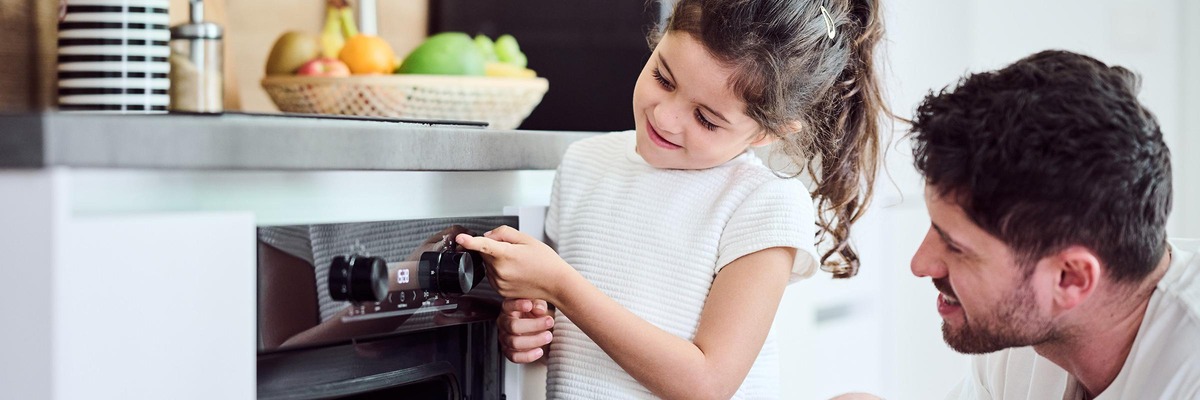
column 946, row 238
column 663, row 61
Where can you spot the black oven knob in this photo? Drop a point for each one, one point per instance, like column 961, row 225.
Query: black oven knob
column 450, row 272
column 358, row 278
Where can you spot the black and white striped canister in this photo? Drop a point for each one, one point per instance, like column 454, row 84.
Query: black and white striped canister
column 113, row 56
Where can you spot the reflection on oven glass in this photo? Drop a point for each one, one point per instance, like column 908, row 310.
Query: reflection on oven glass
column 332, row 283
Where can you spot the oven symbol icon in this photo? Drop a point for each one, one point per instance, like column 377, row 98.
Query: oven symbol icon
column 402, row 276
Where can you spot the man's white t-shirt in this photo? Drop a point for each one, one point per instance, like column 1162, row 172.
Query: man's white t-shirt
column 654, row 240
column 1164, row 362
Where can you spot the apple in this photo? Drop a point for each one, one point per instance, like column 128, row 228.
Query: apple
column 324, row 66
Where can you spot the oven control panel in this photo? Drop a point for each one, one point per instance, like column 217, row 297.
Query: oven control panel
column 367, row 279
column 379, row 289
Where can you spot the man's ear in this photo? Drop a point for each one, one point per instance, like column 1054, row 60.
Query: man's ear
column 1078, row 273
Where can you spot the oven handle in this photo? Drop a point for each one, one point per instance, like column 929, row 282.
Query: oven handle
column 370, row 383
column 526, row 381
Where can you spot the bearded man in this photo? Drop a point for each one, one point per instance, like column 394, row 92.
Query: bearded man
column 1048, row 187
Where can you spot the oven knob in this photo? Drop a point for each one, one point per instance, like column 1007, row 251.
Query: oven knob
column 450, row 273
column 357, row 278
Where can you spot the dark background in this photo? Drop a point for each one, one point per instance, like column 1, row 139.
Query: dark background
column 591, row 51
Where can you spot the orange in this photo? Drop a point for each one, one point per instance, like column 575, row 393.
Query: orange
column 368, row 54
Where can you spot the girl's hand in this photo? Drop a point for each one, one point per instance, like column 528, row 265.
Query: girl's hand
column 435, row 241
column 518, row 266
column 524, row 327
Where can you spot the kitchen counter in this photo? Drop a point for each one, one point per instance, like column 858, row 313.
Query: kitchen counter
column 270, row 142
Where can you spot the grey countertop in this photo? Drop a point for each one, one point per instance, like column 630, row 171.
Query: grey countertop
column 269, row 142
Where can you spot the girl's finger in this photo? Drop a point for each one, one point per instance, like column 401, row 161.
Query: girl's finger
column 519, row 305
column 526, row 326
column 526, row 342
column 540, row 308
column 481, row 244
column 506, row 233
column 523, row 357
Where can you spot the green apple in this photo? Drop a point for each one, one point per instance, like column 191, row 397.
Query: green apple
column 508, row 51
column 446, row 53
column 487, row 47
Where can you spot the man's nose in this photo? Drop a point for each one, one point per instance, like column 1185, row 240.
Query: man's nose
column 926, row 262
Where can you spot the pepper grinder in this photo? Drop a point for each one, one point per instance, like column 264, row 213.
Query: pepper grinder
column 196, row 74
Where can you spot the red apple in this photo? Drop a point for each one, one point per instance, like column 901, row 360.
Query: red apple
column 324, row 66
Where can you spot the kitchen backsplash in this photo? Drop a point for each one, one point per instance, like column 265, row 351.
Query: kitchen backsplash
column 251, row 27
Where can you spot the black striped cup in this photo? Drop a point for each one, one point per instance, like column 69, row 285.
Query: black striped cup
column 112, row 56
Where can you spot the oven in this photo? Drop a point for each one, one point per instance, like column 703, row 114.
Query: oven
column 384, row 309
column 361, row 293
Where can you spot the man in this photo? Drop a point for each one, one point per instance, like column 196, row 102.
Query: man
column 1048, row 188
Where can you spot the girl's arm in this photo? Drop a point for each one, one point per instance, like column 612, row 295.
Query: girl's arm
column 737, row 315
column 733, row 326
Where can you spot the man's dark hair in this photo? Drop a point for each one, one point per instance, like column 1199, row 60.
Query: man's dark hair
column 1052, row 151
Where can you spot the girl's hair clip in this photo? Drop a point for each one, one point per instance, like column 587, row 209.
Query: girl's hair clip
column 829, row 30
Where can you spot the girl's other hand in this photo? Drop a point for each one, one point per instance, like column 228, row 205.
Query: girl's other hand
column 519, row 266
column 525, row 329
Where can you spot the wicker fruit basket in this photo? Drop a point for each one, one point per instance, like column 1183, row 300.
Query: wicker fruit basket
column 501, row 102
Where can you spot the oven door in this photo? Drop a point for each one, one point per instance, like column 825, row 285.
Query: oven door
column 362, row 310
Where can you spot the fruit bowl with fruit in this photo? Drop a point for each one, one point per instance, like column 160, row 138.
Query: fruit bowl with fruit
column 450, row 76
column 501, row 102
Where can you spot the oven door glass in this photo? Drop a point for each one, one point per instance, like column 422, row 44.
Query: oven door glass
column 373, row 310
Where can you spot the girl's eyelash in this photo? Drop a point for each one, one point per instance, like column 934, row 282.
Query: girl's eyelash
column 662, row 81
column 704, row 121
column 699, row 115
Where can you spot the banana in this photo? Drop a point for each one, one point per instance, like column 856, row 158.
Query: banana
column 332, row 38
column 349, row 28
column 506, row 70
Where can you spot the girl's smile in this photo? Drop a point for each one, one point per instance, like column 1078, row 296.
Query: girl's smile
column 658, row 139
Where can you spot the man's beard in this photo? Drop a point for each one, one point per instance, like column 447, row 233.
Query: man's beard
column 1014, row 323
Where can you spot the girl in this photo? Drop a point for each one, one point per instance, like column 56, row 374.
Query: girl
column 675, row 242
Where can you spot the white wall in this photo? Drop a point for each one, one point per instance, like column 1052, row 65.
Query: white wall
column 1186, row 222
column 890, row 344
